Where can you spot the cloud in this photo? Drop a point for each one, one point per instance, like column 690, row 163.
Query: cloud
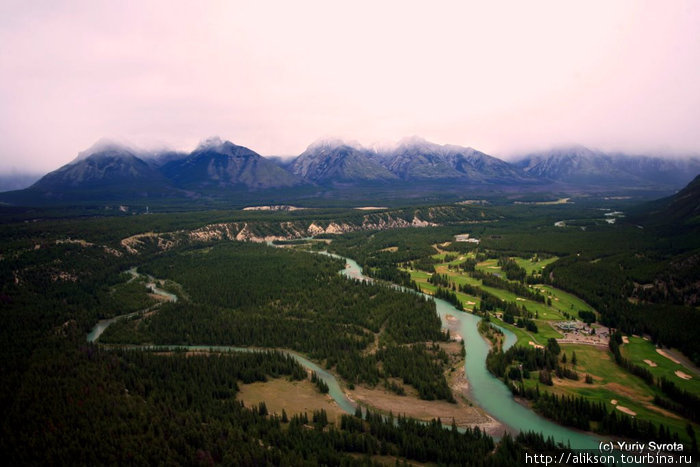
column 502, row 77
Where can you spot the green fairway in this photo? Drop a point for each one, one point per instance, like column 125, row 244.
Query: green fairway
column 528, row 265
column 638, row 350
column 543, row 311
column 524, row 336
column 564, row 301
column 469, row 302
column 611, row 383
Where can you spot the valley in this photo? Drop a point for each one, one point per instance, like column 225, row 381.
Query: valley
column 538, row 338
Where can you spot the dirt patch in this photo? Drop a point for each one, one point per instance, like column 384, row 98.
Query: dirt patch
column 569, row 383
column 292, row 396
column 682, row 375
column 452, row 348
column 463, row 414
column 626, row 410
column 650, row 363
column 667, row 355
column 663, row 412
column 159, row 298
column 627, row 391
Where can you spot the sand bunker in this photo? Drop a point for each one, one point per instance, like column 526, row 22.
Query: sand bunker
column 650, row 363
column 471, row 303
column 667, row 355
column 625, row 339
column 613, row 401
column 520, row 299
column 682, row 375
column 537, row 346
column 626, row 410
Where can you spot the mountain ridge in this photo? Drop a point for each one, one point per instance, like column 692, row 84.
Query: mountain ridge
column 219, row 169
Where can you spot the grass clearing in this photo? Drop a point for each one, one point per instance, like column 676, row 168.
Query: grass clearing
column 524, row 336
column 566, row 301
column 529, row 265
column 295, row 397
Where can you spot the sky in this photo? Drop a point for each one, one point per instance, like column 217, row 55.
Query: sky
column 506, row 78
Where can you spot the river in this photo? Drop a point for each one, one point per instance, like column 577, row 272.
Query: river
column 487, row 391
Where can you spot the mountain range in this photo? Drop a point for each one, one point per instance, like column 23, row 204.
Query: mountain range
column 219, row 169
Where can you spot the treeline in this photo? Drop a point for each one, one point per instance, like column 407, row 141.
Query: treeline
column 511, row 269
column 682, row 402
column 468, row 265
column 439, row 280
column 529, row 359
column 450, row 297
column 637, row 370
column 489, row 331
column 425, row 442
column 491, row 280
column 320, row 383
column 416, row 367
column 583, row 414
column 490, row 302
column 426, row 263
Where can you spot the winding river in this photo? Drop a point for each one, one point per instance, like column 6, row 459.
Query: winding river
column 486, row 391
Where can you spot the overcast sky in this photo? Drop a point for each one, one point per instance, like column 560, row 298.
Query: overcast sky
column 502, row 77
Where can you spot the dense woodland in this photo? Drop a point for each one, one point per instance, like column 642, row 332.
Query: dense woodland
column 253, row 295
column 111, row 407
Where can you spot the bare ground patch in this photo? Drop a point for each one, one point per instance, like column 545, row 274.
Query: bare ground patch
column 626, row 410
column 292, row 396
column 411, row 406
column 627, row 391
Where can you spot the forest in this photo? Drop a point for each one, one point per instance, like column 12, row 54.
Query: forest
column 116, row 407
column 252, row 295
